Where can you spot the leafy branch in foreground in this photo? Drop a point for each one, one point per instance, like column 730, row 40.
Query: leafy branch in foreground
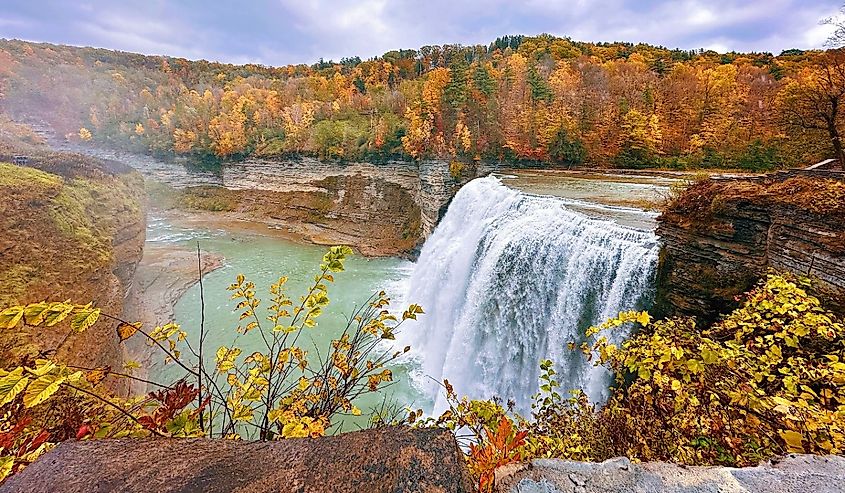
column 278, row 392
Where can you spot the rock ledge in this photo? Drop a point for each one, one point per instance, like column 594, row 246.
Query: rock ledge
column 792, row 474
column 389, row 460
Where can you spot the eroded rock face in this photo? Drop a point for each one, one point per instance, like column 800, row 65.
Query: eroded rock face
column 73, row 228
column 792, row 474
column 707, row 261
column 384, row 209
column 389, row 460
column 380, row 210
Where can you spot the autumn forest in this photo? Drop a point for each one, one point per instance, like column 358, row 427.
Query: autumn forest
column 523, row 100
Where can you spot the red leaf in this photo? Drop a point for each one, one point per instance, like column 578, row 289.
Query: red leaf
column 83, row 431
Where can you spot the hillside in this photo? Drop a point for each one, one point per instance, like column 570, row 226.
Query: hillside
column 73, row 228
column 521, row 99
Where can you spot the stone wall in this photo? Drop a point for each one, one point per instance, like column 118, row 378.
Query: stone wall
column 720, row 245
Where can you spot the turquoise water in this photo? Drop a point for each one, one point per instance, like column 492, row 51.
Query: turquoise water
column 263, row 259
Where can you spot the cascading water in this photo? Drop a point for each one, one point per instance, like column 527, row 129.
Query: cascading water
column 508, row 279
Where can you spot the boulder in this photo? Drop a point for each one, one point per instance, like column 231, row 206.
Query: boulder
column 385, row 460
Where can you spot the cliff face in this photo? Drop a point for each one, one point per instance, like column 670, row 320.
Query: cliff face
column 379, row 210
column 404, row 199
column 73, row 228
column 720, row 236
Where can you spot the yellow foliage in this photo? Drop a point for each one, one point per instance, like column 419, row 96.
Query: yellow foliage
column 416, row 139
column 433, row 87
column 767, row 379
column 183, row 140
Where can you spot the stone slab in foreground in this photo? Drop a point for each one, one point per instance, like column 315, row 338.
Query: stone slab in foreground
column 792, row 474
column 386, row 460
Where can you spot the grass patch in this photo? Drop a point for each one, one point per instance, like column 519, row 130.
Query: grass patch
column 17, row 180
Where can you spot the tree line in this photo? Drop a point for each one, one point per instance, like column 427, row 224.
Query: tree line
column 535, row 100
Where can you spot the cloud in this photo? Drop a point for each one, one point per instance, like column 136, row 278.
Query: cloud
column 276, row 32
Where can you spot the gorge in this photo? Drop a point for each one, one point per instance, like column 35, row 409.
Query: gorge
column 487, row 278
column 510, row 267
column 539, row 264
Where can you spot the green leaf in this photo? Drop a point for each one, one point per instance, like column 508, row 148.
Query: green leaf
column 34, row 314
column 84, row 319
column 57, row 312
column 10, row 317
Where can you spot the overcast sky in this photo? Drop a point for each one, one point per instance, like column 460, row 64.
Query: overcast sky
column 277, row 32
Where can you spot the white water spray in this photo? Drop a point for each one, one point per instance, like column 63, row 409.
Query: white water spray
column 508, row 279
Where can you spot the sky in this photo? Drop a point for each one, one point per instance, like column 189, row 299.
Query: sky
column 279, row 32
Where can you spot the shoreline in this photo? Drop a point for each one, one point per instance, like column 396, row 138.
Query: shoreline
column 294, row 231
column 166, row 272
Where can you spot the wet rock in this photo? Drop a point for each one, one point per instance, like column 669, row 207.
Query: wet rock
column 792, row 474
column 389, row 460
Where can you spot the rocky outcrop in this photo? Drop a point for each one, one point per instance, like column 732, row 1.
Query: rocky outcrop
column 721, row 236
column 792, row 474
column 73, row 228
column 380, row 209
column 383, row 209
column 375, row 216
column 388, row 460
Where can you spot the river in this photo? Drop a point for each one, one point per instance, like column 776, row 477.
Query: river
column 518, row 267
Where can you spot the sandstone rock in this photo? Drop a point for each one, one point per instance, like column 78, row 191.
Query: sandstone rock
column 704, row 265
column 793, row 474
column 389, row 460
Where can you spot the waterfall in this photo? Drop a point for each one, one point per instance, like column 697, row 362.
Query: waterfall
column 508, row 279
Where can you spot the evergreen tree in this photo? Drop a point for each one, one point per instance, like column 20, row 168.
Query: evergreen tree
column 483, row 81
column 540, row 90
column 455, row 94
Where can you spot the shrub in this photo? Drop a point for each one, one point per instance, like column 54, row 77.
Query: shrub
column 456, row 169
column 759, row 157
column 276, row 393
column 767, row 379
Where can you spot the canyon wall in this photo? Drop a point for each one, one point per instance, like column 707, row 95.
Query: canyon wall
column 399, row 201
column 721, row 236
column 73, row 228
column 379, row 209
